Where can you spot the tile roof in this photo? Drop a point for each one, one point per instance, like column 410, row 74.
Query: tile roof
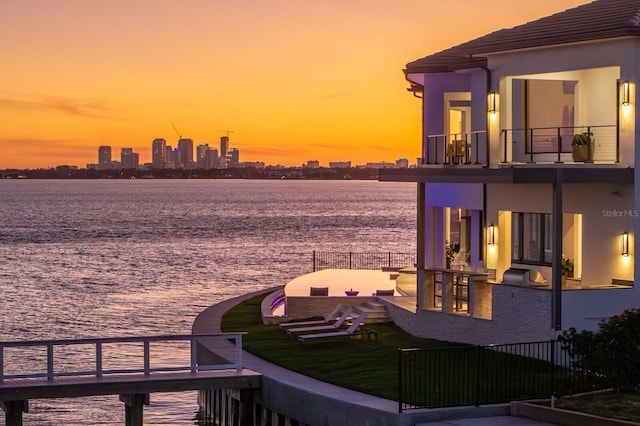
column 597, row 20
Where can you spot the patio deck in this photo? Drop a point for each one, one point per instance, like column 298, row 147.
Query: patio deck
column 338, row 281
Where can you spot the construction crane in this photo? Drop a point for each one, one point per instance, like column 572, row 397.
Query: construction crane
column 177, row 132
column 226, row 131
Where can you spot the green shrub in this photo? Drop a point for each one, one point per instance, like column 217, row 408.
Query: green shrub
column 612, row 353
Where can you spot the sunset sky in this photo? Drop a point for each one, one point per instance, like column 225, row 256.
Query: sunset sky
column 295, row 80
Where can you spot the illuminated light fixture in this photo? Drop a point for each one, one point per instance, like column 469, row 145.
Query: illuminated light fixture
column 491, row 235
column 626, row 93
column 624, row 244
column 491, row 102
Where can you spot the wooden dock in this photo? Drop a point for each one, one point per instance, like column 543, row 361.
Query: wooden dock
column 133, row 385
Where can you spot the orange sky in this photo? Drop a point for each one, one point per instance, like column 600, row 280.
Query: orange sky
column 295, row 80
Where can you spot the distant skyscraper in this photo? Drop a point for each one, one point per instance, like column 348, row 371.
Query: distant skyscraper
column 158, row 152
column 224, row 146
column 104, row 155
column 339, row 164
column 402, row 163
column 211, row 159
column 185, row 149
column 233, row 157
column 201, row 156
column 129, row 159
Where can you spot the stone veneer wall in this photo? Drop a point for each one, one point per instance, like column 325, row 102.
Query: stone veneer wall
column 519, row 314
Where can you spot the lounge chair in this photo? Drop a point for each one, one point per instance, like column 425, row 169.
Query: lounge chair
column 327, row 327
column 328, row 319
column 353, row 330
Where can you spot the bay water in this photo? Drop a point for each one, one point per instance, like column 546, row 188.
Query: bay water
column 111, row 258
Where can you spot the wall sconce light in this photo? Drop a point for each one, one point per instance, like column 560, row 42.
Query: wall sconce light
column 491, row 235
column 626, row 93
column 624, row 244
column 491, row 102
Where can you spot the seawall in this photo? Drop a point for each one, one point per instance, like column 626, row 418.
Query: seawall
column 289, row 398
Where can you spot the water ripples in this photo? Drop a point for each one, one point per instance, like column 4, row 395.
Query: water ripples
column 125, row 258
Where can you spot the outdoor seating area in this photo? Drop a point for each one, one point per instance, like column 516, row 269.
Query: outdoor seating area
column 331, row 317
column 350, row 323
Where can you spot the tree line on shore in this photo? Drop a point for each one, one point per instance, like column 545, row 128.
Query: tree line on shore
column 69, row 172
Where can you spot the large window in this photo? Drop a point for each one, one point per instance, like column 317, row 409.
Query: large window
column 531, row 238
column 547, row 112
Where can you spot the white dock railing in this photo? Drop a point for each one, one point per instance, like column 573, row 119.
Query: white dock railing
column 25, row 353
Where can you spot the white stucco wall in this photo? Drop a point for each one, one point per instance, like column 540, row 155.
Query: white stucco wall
column 585, row 309
column 596, row 67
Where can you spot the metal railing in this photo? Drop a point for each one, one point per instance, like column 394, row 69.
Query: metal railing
column 457, row 148
column 79, row 350
column 550, row 143
column 362, row 260
column 478, row 375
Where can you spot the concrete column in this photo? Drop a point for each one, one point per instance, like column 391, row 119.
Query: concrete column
column 13, row 411
column 421, row 249
column 133, row 408
column 556, row 264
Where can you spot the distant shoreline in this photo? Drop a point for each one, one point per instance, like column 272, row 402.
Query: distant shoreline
column 68, row 172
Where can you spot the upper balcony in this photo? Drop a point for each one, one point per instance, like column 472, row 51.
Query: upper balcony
column 521, row 147
column 548, row 145
column 455, row 149
column 529, row 120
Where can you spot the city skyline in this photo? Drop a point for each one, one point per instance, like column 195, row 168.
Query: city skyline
column 288, row 80
column 164, row 156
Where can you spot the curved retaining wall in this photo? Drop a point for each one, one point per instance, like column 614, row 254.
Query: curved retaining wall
column 288, row 398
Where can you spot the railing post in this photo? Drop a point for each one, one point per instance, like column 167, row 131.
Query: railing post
column 425, row 151
column 314, row 261
column 553, row 368
column 239, row 352
column 194, row 355
column 559, row 146
column 504, row 132
column 531, row 145
column 350, row 260
column 99, row 359
column 1, row 362
column 478, row 370
column 477, row 135
column 147, row 369
column 400, row 383
column 590, row 154
column 467, row 151
column 436, row 162
column 617, row 134
column 50, row 360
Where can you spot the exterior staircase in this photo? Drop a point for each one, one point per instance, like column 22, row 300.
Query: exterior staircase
column 376, row 312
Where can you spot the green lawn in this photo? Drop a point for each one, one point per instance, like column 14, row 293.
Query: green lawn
column 622, row 406
column 369, row 366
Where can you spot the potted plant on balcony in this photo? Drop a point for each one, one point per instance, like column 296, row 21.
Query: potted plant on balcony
column 582, row 147
column 451, row 253
column 567, row 269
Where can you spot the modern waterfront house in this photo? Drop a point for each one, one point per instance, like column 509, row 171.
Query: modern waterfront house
column 528, row 169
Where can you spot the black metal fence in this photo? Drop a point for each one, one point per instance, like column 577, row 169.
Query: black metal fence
column 355, row 260
column 457, row 148
column 478, row 375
